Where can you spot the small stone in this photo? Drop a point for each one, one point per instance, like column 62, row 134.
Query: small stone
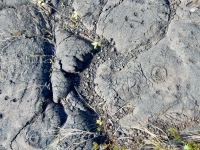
column 109, row 133
column 112, row 50
column 139, row 132
column 14, row 100
column 118, row 133
column 193, row 9
column 71, row 107
column 6, row 98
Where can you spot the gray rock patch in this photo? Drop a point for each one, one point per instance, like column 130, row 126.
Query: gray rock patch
column 71, row 51
column 134, row 24
column 60, row 85
column 160, row 83
column 24, row 70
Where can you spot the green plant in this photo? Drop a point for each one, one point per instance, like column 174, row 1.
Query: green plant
column 62, row 4
column 73, row 20
column 99, row 121
column 51, row 69
column 187, row 145
column 67, row 133
column 191, row 145
column 39, row 2
column 107, row 146
column 74, row 15
column 96, row 44
column 95, row 146
column 174, row 134
column 103, row 146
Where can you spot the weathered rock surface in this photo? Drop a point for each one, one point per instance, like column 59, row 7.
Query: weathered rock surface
column 89, row 11
column 141, row 23
column 61, row 85
column 161, row 83
column 24, row 71
column 131, row 24
column 79, row 130
column 71, row 51
column 148, row 71
column 41, row 131
column 29, row 117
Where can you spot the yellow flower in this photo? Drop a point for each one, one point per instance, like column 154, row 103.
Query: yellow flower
column 40, row 1
column 99, row 121
column 75, row 15
column 95, row 44
column 62, row 4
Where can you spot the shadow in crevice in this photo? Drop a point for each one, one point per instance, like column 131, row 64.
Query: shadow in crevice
column 90, row 113
column 87, row 58
column 82, row 65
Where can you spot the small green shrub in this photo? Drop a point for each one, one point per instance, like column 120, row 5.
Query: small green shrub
column 108, row 146
column 97, row 43
column 187, row 145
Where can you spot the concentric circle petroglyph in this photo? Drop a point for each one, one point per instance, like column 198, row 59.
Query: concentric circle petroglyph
column 34, row 138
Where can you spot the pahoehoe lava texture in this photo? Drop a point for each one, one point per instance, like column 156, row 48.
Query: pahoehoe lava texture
column 24, row 68
column 147, row 69
column 43, row 131
column 60, row 85
column 134, row 25
column 160, row 83
column 71, row 51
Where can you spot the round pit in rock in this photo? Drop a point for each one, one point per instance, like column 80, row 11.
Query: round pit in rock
column 159, row 74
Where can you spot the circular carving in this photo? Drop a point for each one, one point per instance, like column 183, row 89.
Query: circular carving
column 33, row 139
column 159, row 74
